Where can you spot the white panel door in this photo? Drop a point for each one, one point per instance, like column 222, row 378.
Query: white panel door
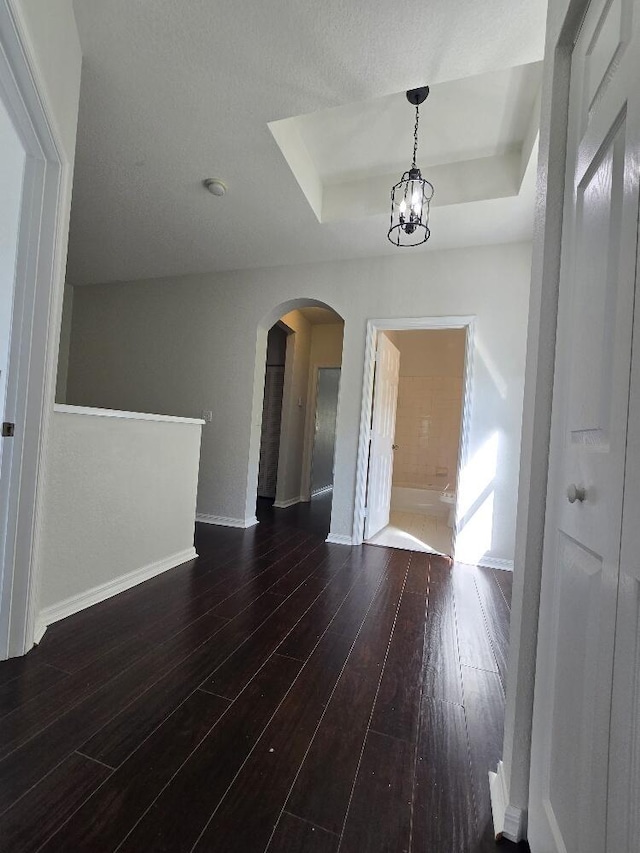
column 574, row 675
column 383, row 425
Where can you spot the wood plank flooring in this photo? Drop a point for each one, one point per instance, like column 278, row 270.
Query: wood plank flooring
column 277, row 693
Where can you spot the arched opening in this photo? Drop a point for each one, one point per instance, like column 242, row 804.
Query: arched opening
column 295, row 408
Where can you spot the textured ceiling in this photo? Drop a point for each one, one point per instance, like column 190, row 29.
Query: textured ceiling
column 477, row 140
column 176, row 92
column 472, row 117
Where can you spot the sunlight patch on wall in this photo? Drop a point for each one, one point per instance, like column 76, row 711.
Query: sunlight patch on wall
column 475, row 503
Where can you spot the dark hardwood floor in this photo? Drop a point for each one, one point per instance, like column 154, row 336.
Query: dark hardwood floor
column 277, row 693
column 314, row 516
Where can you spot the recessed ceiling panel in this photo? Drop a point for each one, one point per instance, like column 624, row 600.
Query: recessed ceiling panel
column 173, row 93
column 476, row 136
column 460, row 120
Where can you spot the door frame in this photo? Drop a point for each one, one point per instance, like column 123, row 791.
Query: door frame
column 286, row 382
column 510, row 794
column 403, row 324
column 545, row 665
column 40, row 265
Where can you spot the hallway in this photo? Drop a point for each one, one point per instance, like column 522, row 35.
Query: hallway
column 276, row 693
column 312, row 516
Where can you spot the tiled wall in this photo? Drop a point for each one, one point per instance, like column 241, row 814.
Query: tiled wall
column 427, row 431
column 429, row 412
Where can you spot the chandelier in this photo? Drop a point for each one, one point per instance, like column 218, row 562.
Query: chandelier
column 411, row 196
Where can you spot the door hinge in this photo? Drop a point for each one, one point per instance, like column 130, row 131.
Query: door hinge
column 365, row 512
column 8, row 429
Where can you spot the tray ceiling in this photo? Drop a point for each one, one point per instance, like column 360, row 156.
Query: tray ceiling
column 173, row 93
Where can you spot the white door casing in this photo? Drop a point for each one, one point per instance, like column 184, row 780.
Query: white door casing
column 374, row 328
column 383, row 424
column 623, row 818
column 581, row 563
column 41, row 259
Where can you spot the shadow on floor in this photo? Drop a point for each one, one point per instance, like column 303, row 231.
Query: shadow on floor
column 313, row 516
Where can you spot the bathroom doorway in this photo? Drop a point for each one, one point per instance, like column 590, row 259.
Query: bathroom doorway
column 418, row 409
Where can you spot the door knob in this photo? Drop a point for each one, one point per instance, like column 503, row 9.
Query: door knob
column 576, row 493
column 395, row 446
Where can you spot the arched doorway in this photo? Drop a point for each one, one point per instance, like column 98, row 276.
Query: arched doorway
column 297, row 380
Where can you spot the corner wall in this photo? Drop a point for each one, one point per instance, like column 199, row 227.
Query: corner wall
column 65, row 340
column 112, row 475
column 180, row 345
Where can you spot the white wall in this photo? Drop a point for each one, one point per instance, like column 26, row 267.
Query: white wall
column 52, row 37
column 12, row 159
column 121, row 495
column 65, row 341
column 175, row 344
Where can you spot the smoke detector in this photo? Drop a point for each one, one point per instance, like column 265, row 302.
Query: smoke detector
column 215, row 186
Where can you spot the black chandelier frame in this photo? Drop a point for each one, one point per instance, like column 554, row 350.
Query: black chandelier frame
column 411, row 196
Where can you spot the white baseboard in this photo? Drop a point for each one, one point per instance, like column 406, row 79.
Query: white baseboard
column 39, row 632
column 290, row 502
column 488, row 563
column 322, row 491
column 508, row 821
column 339, row 539
column 96, row 594
column 225, row 521
column 496, row 563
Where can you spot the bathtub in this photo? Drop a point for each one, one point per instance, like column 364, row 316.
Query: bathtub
column 423, row 501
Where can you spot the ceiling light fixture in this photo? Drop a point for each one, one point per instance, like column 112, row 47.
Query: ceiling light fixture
column 411, row 196
column 215, row 186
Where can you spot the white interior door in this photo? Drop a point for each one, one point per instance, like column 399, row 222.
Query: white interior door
column 577, row 629
column 383, row 425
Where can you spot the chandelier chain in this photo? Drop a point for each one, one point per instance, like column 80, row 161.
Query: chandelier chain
column 411, row 196
column 415, row 137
